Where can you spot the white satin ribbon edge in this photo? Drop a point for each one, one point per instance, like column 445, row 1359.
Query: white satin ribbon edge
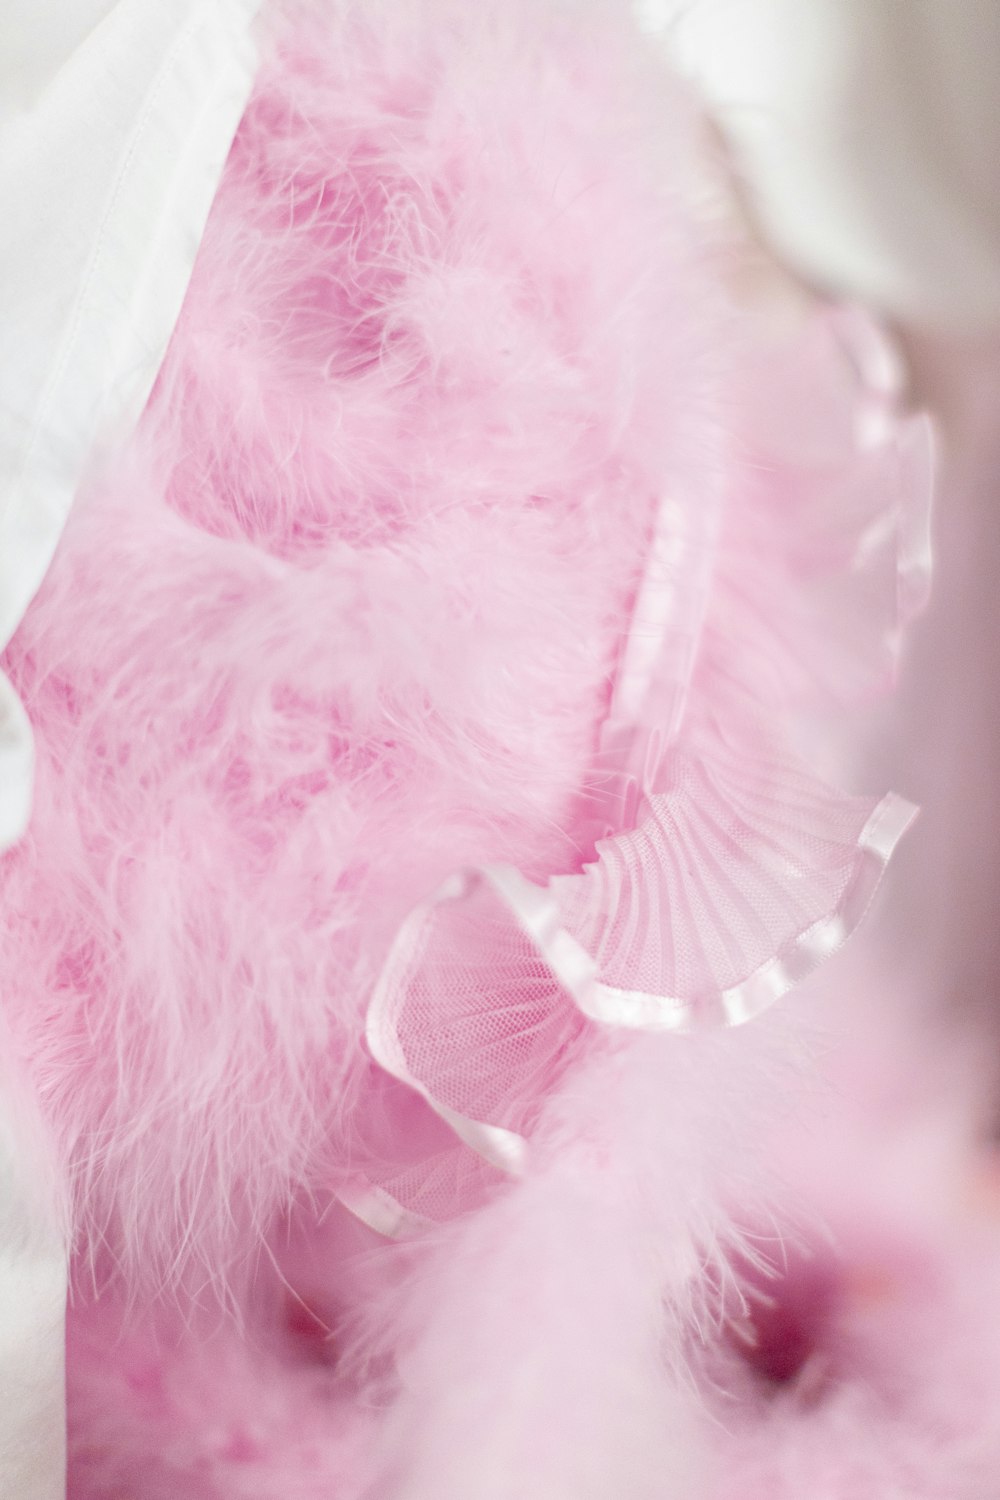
column 638, row 1011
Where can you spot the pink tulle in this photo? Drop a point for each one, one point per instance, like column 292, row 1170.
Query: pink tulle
column 727, row 870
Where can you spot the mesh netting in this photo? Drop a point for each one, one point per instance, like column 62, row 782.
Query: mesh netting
column 731, row 861
column 473, row 1013
column 412, row 1158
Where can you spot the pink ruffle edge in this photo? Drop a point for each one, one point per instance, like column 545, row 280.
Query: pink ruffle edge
column 722, row 867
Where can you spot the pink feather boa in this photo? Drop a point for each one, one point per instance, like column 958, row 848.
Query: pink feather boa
column 457, row 373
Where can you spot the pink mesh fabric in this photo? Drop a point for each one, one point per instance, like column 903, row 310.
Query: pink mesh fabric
column 470, row 1012
column 824, row 552
column 409, row 1166
column 737, row 854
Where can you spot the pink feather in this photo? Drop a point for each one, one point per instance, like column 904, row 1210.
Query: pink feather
column 347, row 615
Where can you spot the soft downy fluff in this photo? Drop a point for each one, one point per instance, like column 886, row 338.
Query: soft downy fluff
column 340, row 619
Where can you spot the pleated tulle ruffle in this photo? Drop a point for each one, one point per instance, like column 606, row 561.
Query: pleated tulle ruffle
column 722, row 868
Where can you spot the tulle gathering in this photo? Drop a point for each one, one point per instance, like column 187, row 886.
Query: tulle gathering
column 727, row 870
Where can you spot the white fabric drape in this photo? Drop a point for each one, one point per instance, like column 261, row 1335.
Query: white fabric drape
column 869, row 135
column 115, row 120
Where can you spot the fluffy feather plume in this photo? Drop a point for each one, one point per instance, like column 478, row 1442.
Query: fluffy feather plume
column 544, row 1346
column 342, row 619
column 342, row 616
column 549, row 1344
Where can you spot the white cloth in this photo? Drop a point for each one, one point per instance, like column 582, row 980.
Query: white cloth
column 32, row 1304
column 109, row 158
column 869, row 135
column 115, row 120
